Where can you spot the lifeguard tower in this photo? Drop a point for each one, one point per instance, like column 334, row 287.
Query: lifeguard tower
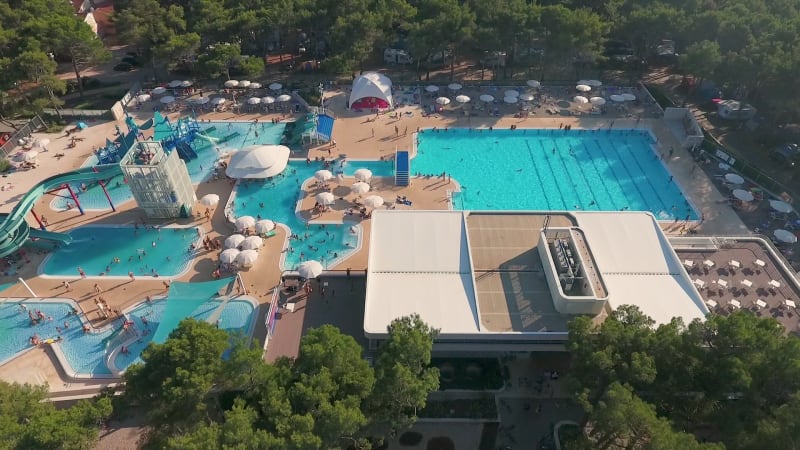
column 159, row 181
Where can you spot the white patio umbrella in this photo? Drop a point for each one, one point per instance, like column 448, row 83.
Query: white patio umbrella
column 228, row 256
column 363, row 174
column 167, row 99
column 359, row 188
column 252, row 243
column 159, row 90
column 373, row 201
column 741, row 194
column 734, row 178
column 231, row 83
column 594, row 83
column 785, row 236
column 245, row 222
column 442, row 101
column 175, row 83
column 202, row 100
column 275, row 86
column 218, row 100
column 254, row 100
column 143, row 98
column 462, row 99
column 310, row 269
column 526, row 97
column 580, row 99
column 209, row 200
column 511, row 93
column 583, row 88
column 30, row 155
column 247, row 258
column 432, row 88
column 599, row 101
column 628, row 96
column 284, row 98
column 234, row 240
column 186, row 84
column 486, row 98
column 264, row 226
column 511, row 99
column 326, row 198
column 616, row 98
column 255, row 85
column 533, row 83
column 268, row 100
column 244, row 83
column 323, row 175
column 780, row 206
column 42, row 143
column 454, row 86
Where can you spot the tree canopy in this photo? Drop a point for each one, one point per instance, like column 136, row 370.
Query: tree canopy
column 735, row 375
column 28, row 421
column 328, row 397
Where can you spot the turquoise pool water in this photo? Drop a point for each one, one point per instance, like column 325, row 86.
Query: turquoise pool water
column 605, row 170
column 86, row 352
column 236, row 317
column 162, row 251
column 208, row 152
column 277, row 199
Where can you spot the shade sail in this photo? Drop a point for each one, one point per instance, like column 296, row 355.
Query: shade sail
column 372, row 84
column 258, row 161
column 182, row 300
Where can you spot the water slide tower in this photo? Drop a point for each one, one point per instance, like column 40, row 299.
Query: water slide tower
column 159, row 181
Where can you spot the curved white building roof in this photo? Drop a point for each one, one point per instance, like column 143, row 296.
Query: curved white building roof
column 258, row 161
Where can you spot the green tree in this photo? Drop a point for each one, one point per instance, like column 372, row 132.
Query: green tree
column 27, row 420
column 404, row 378
column 173, row 383
column 154, row 29
column 701, row 59
column 237, row 432
column 621, row 420
column 75, row 39
column 331, row 381
column 219, row 60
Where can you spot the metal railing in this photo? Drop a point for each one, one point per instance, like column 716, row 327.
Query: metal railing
column 36, row 123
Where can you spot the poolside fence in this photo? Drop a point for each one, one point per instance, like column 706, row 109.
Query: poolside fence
column 36, row 123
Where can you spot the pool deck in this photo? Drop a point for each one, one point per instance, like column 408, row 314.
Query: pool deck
column 353, row 134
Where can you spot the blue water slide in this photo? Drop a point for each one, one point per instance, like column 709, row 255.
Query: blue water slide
column 50, row 236
column 14, row 230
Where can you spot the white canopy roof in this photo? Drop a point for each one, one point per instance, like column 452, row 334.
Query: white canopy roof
column 639, row 267
column 258, row 161
column 372, row 84
column 419, row 263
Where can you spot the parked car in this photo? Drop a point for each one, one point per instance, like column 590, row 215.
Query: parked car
column 787, row 154
column 132, row 60
column 124, row 67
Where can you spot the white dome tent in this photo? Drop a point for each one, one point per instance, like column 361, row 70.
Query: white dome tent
column 372, row 85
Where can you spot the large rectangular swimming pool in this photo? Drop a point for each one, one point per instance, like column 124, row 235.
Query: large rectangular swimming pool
column 553, row 170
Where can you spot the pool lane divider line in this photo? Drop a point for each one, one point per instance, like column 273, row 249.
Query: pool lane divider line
column 600, row 177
